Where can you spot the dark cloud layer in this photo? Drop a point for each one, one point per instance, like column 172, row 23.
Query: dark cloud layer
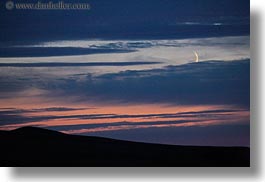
column 54, row 51
column 212, row 82
column 119, row 19
column 62, row 64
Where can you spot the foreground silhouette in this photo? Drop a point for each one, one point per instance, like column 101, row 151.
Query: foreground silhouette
column 30, row 146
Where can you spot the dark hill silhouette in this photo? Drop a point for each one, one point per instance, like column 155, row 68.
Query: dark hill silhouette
column 30, row 146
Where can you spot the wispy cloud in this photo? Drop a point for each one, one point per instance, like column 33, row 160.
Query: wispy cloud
column 51, row 118
column 213, row 82
column 61, row 64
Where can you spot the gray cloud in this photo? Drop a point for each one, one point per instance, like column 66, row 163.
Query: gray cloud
column 61, row 64
column 54, row 51
column 211, row 82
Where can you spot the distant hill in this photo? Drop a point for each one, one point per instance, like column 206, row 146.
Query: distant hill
column 40, row 147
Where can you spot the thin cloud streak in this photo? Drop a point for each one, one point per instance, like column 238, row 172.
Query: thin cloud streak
column 61, row 64
column 144, row 126
column 104, row 121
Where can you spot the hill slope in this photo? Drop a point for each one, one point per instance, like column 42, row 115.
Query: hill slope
column 39, row 147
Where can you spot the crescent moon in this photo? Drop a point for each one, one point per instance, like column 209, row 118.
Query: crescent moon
column 196, row 56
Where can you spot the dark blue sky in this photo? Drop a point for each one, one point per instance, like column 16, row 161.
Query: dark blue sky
column 127, row 20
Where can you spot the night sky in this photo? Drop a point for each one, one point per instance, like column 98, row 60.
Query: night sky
column 127, row 70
